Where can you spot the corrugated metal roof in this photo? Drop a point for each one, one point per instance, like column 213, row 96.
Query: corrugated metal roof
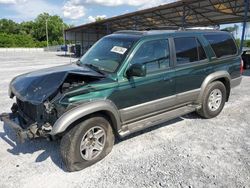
column 184, row 13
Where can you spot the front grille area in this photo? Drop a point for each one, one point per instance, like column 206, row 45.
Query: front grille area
column 30, row 113
column 29, row 110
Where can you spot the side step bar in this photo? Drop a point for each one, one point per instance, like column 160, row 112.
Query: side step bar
column 155, row 120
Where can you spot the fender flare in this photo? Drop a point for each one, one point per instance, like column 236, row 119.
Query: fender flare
column 83, row 110
column 210, row 78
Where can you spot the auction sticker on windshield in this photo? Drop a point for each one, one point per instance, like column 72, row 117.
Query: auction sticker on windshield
column 119, row 50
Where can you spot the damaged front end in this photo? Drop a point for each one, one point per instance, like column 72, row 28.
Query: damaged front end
column 38, row 95
column 28, row 121
column 20, row 132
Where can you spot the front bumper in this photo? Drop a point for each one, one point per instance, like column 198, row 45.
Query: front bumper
column 11, row 120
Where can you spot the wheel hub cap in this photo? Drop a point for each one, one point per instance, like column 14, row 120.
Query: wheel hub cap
column 214, row 100
column 92, row 143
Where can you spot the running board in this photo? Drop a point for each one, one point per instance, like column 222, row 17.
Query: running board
column 155, row 120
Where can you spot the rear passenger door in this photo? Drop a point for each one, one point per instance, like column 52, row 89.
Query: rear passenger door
column 191, row 68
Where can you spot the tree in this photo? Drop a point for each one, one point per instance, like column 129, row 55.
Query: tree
column 55, row 25
column 32, row 31
column 9, row 26
column 27, row 28
column 55, row 28
column 99, row 18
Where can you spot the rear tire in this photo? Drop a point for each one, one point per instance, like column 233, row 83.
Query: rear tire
column 87, row 143
column 213, row 100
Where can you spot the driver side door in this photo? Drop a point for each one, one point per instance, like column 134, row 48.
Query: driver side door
column 139, row 97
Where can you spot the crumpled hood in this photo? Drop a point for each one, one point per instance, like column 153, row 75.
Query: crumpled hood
column 37, row 86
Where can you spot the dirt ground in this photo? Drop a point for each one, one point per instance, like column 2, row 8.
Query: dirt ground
column 185, row 152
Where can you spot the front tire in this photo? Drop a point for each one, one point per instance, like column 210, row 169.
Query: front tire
column 213, row 100
column 87, row 143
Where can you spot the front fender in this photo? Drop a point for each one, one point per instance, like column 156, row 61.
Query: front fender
column 83, row 110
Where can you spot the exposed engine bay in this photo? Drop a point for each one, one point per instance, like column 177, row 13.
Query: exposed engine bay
column 38, row 94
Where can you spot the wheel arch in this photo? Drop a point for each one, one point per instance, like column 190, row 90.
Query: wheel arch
column 81, row 112
column 222, row 76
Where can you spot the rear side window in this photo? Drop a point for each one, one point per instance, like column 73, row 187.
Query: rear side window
column 188, row 50
column 222, row 44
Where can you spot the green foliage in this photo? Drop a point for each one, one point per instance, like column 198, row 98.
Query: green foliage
column 98, row 19
column 19, row 40
column 32, row 33
column 55, row 27
column 245, row 44
column 9, row 26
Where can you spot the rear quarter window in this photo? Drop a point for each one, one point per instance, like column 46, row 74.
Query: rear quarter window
column 188, row 50
column 222, row 44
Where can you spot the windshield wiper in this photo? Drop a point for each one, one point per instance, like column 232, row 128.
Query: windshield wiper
column 95, row 68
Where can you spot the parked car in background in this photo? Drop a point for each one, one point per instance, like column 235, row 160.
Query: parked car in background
column 246, row 58
column 126, row 82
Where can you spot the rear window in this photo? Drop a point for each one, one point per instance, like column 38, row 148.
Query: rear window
column 222, row 44
column 188, row 50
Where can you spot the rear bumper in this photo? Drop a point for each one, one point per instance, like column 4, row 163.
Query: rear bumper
column 236, row 81
column 10, row 120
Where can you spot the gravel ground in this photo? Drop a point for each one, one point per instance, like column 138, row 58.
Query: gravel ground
column 185, row 152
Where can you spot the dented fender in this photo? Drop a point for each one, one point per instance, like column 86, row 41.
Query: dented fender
column 83, row 110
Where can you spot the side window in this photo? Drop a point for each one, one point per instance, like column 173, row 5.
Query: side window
column 222, row 44
column 201, row 51
column 154, row 54
column 188, row 50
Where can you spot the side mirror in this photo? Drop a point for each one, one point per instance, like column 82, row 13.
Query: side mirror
column 138, row 70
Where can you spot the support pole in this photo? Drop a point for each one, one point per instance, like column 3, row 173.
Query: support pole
column 47, row 34
column 135, row 23
column 107, row 28
column 64, row 38
column 75, row 38
column 184, row 17
column 244, row 24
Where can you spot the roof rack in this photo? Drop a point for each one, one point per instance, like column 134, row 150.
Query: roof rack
column 167, row 28
column 163, row 28
column 136, row 32
column 216, row 28
column 183, row 28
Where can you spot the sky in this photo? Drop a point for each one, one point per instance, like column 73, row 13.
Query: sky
column 76, row 12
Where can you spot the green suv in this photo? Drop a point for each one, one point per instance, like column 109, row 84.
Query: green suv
column 126, row 82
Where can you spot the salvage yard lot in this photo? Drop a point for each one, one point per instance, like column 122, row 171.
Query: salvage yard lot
column 187, row 151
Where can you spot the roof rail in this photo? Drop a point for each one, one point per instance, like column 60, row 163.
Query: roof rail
column 163, row 28
column 130, row 31
column 203, row 28
column 182, row 28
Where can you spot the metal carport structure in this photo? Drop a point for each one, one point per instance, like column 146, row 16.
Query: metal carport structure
column 180, row 14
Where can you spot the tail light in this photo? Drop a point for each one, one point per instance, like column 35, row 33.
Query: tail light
column 241, row 66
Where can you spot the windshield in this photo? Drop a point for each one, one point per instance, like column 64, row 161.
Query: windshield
column 108, row 53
